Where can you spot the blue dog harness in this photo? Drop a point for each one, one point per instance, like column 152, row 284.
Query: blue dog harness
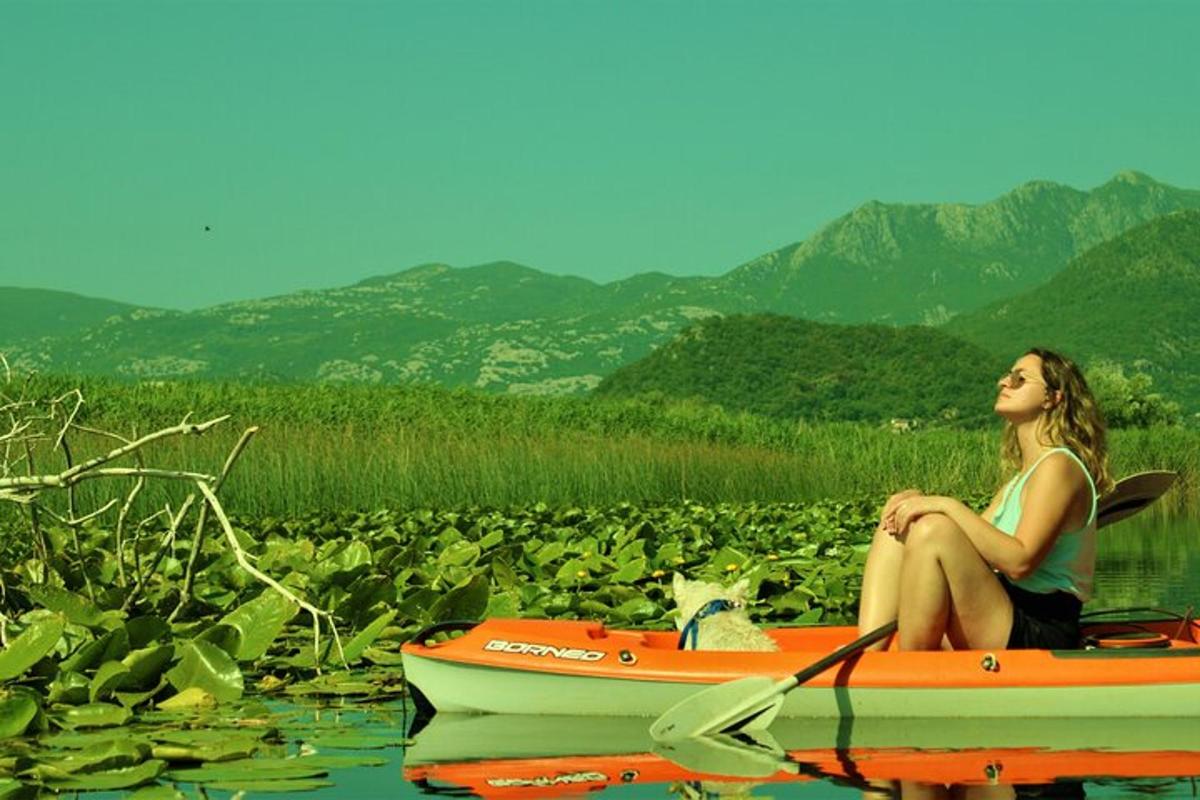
column 690, row 632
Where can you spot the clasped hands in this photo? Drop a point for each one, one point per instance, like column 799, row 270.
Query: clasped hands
column 903, row 508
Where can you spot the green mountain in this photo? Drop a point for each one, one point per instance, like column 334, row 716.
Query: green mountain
column 798, row 369
column 903, row 264
column 497, row 326
column 510, row 328
column 30, row 314
column 1134, row 300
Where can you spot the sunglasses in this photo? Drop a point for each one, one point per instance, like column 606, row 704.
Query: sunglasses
column 1016, row 379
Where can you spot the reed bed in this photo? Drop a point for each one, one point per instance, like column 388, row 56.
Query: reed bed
column 356, row 447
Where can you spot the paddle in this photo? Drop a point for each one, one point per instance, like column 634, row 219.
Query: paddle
column 743, row 755
column 753, row 702
column 1132, row 494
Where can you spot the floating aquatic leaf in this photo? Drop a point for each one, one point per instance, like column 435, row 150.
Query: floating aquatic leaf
column 107, row 678
column 352, row 741
column 156, row 793
column 111, row 646
column 284, row 785
column 77, row 610
column 100, row 757
column 226, row 637
column 34, row 643
column 92, row 715
column 353, row 649
column 466, row 601
column 146, row 666
column 459, row 554
column 205, row 666
column 132, row 699
column 344, row 560
column 260, row 621
column 191, row 697
column 630, row 571
column 70, row 688
column 571, row 572
column 124, row 778
column 550, row 551
column 15, row 790
column 249, row 769
column 145, row 630
column 637, row 610
column 241, row 747
column 18, row 709
column 504, row 574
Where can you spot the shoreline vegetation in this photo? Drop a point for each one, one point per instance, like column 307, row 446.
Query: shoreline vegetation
column 353, row 447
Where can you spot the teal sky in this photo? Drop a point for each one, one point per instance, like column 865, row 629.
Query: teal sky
column 327, row 142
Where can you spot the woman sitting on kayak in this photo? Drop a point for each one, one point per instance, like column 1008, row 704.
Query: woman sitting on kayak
column 1016, row 575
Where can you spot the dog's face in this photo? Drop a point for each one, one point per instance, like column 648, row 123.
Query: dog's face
column 691, row 596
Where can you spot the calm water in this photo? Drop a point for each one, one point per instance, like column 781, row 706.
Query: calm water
column 1142, row 562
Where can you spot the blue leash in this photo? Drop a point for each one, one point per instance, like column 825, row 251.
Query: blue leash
column 690, row 632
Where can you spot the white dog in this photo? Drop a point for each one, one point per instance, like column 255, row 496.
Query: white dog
column 723, row 623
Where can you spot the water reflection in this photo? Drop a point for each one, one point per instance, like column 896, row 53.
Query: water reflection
column 527, row 757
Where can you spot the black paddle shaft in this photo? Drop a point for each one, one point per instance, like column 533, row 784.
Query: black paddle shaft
column 842, row 653
column 816, row 668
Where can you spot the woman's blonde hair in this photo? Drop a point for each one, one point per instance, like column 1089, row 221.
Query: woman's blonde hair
column 1074, row 422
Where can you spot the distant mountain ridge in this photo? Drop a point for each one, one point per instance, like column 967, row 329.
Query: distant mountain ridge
column 33, row 313
column 1133, row 300
column 926, row 263
column 510, row 328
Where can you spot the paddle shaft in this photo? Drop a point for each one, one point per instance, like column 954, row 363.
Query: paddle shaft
column 756, row 707
column 842, row 653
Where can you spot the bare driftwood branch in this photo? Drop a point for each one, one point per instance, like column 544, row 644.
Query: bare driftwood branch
column 189, row 575
column 77, row 521
column 90, row 468
column 241, row 556
column 167, row 545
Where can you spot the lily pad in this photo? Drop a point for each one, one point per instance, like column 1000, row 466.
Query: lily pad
column 77, row 610
column 146, row 666
column 249, row 769
column 17, row 710
column 189, row 698
column 108, row 677
column 286, row 785
column 353, row 649
column 112, row 646
column 31, row 646
column 205, row 666
column 92, row 715
column 124, row 778
column 467, row 600
column 100, row 757
column 260, row 621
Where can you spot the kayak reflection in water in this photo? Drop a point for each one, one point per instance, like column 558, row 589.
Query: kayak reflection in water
column 912, row 790
column 1016, row 575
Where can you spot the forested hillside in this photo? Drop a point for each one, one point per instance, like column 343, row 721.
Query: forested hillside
column 793, row 368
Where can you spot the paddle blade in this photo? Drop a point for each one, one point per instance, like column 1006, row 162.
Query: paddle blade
column 714, row 708
column 1132, row 494
column 742, row 756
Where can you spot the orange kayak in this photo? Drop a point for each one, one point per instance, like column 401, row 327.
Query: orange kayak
column 580, row 668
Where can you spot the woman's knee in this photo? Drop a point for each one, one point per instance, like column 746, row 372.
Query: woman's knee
column 932, row 531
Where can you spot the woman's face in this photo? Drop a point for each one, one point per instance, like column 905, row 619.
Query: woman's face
column 1021, row 392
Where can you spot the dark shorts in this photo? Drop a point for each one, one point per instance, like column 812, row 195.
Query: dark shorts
column 1043, row 621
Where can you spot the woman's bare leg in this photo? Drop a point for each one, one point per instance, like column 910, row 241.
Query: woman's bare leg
column 946, row 588
column 880, row 598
